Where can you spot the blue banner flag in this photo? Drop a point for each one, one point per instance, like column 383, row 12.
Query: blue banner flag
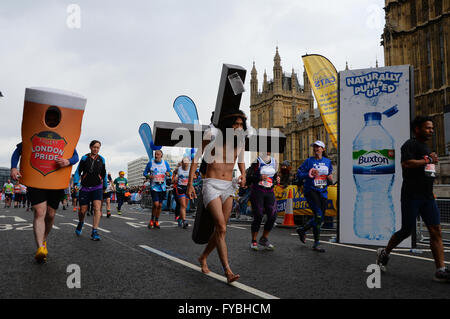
column 186, row 110
column 146, row 135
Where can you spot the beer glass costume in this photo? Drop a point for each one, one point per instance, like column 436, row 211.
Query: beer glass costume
column 41, row 144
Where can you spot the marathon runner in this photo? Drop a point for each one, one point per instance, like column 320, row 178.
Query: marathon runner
column 44, row 202
column 17, row 195
column 121, row 185
column 181, row 180
column 156, row 170
column 91, row 175
column 107, row 194
column 263, row 177
column 8, row 190
column 23, row 194
column 316, row 171
column 417, row 197
column 219, row 187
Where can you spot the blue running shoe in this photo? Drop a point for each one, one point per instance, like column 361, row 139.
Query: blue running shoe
column 79, row 228
column 94, row 235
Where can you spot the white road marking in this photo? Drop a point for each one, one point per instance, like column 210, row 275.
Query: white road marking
column 17, row 219
column 104, row 230
column 237, row 227
column 211, row 274
column 374, row 250
column 122, row 217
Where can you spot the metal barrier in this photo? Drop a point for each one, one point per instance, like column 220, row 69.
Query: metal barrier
column 421, row 229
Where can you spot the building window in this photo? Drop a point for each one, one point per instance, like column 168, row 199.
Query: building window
column 260, row 120
column 442, row 75
column 438, row 7
column 429, row 75
column 425, row 10
column 413, row 14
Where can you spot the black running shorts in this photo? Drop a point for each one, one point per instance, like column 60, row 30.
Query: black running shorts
column 51, row 196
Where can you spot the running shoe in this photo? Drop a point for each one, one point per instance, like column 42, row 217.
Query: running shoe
column 382, row 259
column 263, row 241
column 254, row 246
column 156, row 225
column 94, row 235
column 442, row 275
column 301, row 234
column 41, row 254
column 108, row 214
column 185, row 224
column 180, row 222
column 79, row 228
column 317, row 248
column 150, row 224
column 119, row 213
column 74, row 209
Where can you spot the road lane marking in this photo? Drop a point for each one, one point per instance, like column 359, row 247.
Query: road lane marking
column 211, row 274
column 122, row 217
column 374, row 250
column 17, row 219
column 237, row 227
column 104, row 230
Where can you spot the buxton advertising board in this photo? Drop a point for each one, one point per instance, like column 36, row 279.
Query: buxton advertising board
column 374, row 119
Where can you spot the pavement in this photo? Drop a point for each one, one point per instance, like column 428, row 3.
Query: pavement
column 134, row 262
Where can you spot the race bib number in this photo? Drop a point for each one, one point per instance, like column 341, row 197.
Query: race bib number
column 183, row 181
column 121, row 185
column 267, row 183
column 159, row 178
column 320, row 181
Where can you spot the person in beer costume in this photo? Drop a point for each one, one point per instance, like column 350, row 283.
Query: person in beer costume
column 121, row 185
column 44, row 202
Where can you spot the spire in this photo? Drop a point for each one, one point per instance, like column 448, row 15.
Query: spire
column 277, row 58
column 346, row 65
column 254, row 73
column 376, row 63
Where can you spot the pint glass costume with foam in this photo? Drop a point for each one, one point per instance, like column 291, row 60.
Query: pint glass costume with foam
column 43, row 145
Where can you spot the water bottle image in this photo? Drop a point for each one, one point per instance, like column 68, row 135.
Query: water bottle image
column 373, row 173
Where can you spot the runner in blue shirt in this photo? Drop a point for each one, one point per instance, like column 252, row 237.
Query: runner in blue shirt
column 316, row 172
column 156, row 170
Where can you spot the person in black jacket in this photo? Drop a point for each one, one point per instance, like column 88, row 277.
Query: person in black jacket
column 91, row 174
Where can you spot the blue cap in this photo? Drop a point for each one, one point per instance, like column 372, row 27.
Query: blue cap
column 391, row 111
column 373, row 116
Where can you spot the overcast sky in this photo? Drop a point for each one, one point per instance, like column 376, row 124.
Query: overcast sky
column 131, row 59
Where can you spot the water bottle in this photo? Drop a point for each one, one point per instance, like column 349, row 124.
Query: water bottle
column 373, row 173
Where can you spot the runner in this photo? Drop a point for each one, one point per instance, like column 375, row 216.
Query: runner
column 17, row 195
column 23, row 194
column 65, row 199
column 121, row 185
column 219, row 187
column 91, row 175
column 262, row 176
column 417, row 197
column 156, row 170
column 75, row 195
column 44, row 202
column 107, row 195
column 181, row 180
column 8, row 190
column 316, row 171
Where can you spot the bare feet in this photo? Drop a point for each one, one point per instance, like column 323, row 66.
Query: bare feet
column 203, row 265
column 230, row 276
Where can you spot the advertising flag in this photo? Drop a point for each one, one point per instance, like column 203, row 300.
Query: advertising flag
column 146, row 135
column 186, row 109
column 323, row 78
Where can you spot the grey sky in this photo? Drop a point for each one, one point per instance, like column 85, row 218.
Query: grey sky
column 131, row 59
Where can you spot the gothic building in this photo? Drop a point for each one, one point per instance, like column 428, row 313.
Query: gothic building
column 283, row 103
